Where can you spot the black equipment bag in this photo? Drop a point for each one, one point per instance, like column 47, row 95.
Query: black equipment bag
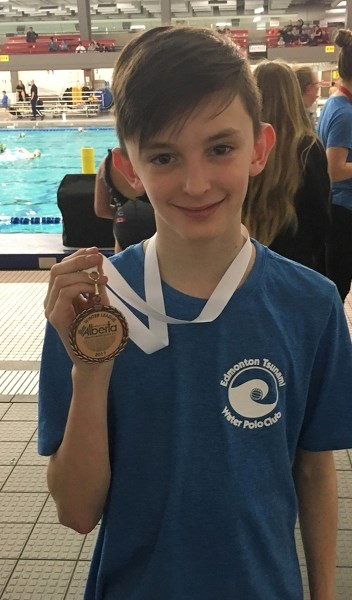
column 81, row 227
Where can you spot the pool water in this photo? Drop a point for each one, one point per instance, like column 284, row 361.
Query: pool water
column 28, row 188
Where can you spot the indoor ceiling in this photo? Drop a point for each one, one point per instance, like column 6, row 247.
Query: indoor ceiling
column 36, row 10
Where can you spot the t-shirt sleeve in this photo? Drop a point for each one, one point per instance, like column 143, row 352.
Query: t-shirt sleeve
column 55, row 392
column 327, row 423
column 340, row 131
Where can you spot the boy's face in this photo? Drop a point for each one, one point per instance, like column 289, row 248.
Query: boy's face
column 196, row 178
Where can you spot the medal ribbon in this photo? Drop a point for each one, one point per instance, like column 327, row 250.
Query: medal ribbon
column 155, row 337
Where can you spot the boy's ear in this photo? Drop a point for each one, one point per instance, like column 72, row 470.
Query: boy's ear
column 123, row 164
column 262, row 148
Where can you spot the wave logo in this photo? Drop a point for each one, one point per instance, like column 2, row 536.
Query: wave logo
column 253, row 392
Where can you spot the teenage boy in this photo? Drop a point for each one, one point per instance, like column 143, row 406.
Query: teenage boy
column 196, row 444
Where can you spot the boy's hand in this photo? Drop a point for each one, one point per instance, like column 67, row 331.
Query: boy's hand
column 71, row 291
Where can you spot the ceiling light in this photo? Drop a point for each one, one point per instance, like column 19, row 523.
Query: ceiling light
column 259, row 10
column 137, row 27
column 257, row 19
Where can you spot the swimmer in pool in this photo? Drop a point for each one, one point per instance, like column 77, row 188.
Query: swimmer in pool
column 18, row 153
column 27, row 154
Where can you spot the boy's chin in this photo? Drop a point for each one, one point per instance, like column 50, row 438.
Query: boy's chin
column 207, row 236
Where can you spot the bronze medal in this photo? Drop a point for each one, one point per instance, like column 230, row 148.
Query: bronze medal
column 99, row 333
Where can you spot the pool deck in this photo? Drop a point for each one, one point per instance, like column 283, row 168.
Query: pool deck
column 30, row 251
column 103, row 120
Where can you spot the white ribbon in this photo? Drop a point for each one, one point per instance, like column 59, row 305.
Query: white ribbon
column 155, row 337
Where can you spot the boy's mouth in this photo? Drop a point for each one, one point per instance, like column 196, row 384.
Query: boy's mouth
column 200, row 211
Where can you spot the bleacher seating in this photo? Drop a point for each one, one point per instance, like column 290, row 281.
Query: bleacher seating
column 239, row 37
column 272, row 37
column 19, row 45
column 55, row 107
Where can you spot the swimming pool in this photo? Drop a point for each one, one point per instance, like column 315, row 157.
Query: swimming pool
column 28, row 188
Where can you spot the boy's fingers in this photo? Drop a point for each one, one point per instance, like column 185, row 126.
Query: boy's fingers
column 68, row 281
column 67, row 286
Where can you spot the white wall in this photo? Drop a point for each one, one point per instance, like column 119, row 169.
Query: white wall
column 53, row 82
column 103, row 75
column 5, row 81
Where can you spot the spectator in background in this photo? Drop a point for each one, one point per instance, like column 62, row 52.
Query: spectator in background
column 31, row 36
column 5, row 101
column 53, row 46
column 335, row 130
column 85, row 92
column 289, row 34
column 304, row 36
column 310, row 85
column 80, row 48
column 63, row 46
column 299, row 24
column 34, row 100
column 287, row 204
column 67, row 96
column 333, row 89
column 21, row 95
column 132, row 215
column 92, row 46
column 316, row 35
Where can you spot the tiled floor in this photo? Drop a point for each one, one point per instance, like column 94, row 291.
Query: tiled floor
column 40, row 559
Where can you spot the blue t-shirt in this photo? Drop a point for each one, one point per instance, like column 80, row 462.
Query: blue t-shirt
column 5, row 101
column 203, row 434
column 335, row 130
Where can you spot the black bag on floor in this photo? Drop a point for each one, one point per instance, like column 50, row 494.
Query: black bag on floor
column 81, row 227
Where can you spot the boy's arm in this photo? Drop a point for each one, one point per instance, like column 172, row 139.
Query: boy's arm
column 315, row 480
column 339, row 168
column 79, row 471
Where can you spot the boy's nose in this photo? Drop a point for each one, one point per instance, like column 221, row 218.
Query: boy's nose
column 196, row 179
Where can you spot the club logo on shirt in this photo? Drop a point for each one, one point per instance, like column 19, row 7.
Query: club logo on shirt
column 253, row 393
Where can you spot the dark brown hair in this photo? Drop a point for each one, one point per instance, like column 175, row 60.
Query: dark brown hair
column 344, row 41
column 166, row 73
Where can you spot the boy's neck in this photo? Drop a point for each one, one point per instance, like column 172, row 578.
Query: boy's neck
column 345, row 84
column 195, row 268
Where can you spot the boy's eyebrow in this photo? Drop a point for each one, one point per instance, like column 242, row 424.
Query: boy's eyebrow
column 220, row 135
column 230, row 132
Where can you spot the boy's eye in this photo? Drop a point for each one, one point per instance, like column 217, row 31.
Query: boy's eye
column 162, row 159
column 222, row 149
